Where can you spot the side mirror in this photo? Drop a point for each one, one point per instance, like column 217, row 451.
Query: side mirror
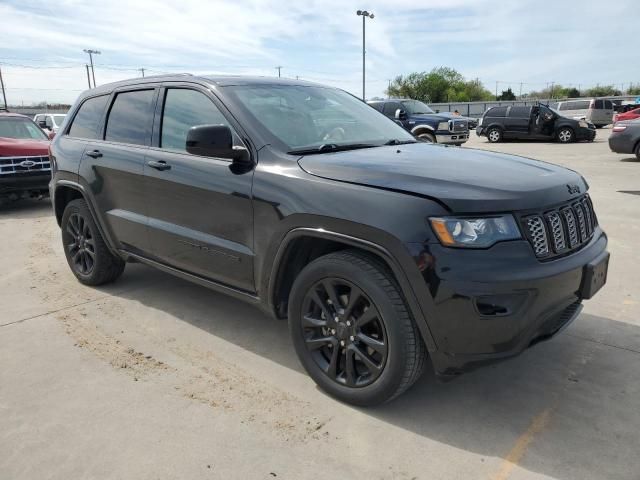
column 51, row 134
column 42, row 124
column 215, row 141
column 400, row 114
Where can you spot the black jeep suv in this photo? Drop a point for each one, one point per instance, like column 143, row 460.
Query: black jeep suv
column 382, row 252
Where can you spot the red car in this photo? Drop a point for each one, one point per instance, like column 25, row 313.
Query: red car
column 630, row 115
column 25, row 169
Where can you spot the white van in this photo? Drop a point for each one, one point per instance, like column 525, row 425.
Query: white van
column 49, row 121
column 595, row 110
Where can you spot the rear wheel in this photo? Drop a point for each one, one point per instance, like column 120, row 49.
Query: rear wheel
column 638, row 151
column 427, row 137
column 352, row 330
column 565, row 135
column 494, row 135
column 90, row 259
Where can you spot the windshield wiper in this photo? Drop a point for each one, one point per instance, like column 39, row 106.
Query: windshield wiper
column 331, row 147
column 395, row 141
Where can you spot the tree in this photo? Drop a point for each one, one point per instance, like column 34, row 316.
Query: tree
column 602, row 91
column 440, row 85
column 507, row 95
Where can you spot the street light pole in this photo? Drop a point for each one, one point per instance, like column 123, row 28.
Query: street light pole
column 88, row 78
column 91, row 53
column 364, row 14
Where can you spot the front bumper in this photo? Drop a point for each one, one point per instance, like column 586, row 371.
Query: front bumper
column 583, row 133
column 21, row 183
column 493, row 304
column 621, row 143
column 449, row 138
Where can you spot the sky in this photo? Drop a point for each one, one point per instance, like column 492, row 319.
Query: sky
column 532, row 42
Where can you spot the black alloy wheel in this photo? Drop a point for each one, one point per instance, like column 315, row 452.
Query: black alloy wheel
column 80, row 244
column 344, row 332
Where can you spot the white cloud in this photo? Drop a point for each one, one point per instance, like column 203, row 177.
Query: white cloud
column 529, row 41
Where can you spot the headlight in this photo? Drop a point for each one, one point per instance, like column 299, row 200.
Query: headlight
column 583, row 124
column 443, row 126
column 475, row 232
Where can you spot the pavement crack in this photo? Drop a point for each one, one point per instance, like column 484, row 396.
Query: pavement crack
column 599, row 342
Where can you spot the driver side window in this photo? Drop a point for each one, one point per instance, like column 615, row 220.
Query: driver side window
column 183, row 109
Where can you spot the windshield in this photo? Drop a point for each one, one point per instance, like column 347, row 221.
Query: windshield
column 307, row 117
column 415, row 107
column 20, row 128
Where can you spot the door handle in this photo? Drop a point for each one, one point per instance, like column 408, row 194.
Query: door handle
column 94, row 154
column 159, row 165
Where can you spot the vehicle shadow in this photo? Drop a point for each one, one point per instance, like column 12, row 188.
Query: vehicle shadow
column 630, row 159
column 585, row 382
column 26, row 208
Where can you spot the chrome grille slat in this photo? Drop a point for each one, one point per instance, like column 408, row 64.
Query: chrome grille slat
column 13, row 165
column 561, row 230
column 538, row 235
column 557, row 232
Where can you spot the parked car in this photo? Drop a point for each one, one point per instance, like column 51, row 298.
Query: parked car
column 533, row 122
column 25, row 169
column 594, row 110
column 50, row 121
column 384, row 253
column 625, row 137
column 424, row 123
column 629, row 115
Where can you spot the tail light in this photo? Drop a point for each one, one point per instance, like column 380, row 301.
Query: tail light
column 619, row 128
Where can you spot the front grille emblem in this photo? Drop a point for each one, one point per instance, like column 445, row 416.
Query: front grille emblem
column 27, row 163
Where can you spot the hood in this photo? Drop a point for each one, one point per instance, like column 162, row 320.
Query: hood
column 430, row 116
column 465, row 180
column 12, row 147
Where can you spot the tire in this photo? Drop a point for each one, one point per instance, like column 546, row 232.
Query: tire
column 638, row 151
column 494, row 135
column 427, row 137
column 565, row 135
column 381, row 342
column 599, row 126
column 87, row 254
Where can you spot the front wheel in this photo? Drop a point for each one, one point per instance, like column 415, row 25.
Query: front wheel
column 427, row 137
column 565, row 135
column 87, row 254
column 494, row 135
column 352, row 330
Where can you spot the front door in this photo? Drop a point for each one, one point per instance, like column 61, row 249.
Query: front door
column 200, row 210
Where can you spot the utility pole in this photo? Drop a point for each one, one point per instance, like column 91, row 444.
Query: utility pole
column 4, row 94
column 278, row 68
column 91, row 54
column 364, row 14
column 496, row 90
column 520, row 96
column 88, row 78
column 551, row 92
column 142, row 71
column 389, row 89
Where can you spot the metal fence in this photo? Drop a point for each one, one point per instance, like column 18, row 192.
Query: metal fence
column 476, row 109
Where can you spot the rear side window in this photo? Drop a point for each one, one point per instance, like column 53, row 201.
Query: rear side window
column 391, row 107
column 520, row 112
column 131, row 117
column 497, row 112
column 184, row 109
column 599, row 105
column 608, row 105
column 577, row 105
column 85, row 123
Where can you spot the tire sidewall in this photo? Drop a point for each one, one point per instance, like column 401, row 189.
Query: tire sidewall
column 571, row 134
column 391, row 377
column 427, row 137
column 80, row 208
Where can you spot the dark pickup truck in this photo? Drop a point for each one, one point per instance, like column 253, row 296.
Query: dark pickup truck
column 419, row 119
column 385, row 254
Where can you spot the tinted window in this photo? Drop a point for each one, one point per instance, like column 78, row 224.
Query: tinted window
column 599, row 105
column 520, row 112
column 608, row 104
column 577, row 105
column 88, row 117
column 130, row 118
column 378, row 106
column 184, row 109
column 497, row 112
column 391, row 107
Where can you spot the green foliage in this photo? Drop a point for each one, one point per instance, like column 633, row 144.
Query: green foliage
column 602, row 91
column 440, row 85
column 633, row 90
column 507, row 95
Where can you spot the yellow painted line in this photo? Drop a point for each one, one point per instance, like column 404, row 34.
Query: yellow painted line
column 514, row 456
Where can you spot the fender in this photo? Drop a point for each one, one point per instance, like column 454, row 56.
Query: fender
column 387, row 257
column 76, row 186
column 421, row 127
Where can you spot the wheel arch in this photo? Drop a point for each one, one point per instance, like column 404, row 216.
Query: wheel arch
column 422, row 128
column 302, row 245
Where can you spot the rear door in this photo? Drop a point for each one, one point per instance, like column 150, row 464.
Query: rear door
column 517, row 122
column 113, row 166
column 200, row 208
column 602, row 112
